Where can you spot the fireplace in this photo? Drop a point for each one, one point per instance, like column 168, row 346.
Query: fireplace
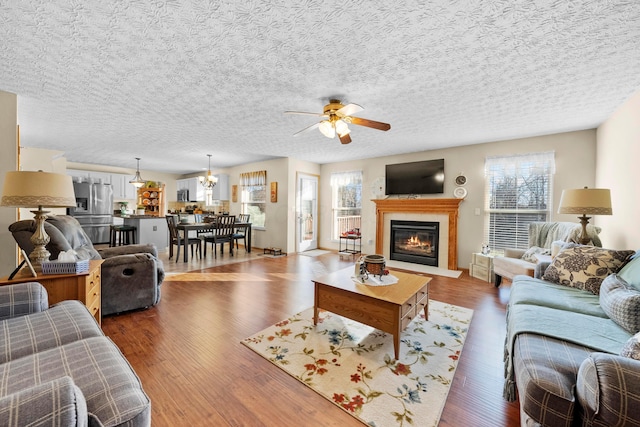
column 437, row 209
column 415, row 241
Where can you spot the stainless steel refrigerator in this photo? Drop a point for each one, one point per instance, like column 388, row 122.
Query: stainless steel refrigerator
column 94, row 209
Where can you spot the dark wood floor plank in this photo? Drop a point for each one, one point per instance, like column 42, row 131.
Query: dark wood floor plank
column 188, row 353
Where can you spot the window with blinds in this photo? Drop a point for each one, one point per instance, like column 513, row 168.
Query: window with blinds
column 253, row 197
column 518, row 191
column 346, row 200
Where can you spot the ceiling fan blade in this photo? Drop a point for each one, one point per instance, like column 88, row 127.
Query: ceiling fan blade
column 370, row 123
column 306, row 114
column 345, row 139
column 349, row 109
column 313, row 126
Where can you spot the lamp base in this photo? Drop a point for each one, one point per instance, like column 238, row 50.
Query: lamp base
column 40, row 239
column 584, row 238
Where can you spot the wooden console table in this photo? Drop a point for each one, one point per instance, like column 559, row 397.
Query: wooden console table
column 84, row 287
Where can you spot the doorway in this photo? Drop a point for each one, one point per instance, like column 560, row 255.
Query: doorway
column 307, row 212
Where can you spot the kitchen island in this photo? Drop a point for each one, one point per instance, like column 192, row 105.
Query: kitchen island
column 149, row 229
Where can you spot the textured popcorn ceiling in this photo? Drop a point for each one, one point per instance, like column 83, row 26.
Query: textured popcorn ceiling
column 171, row 80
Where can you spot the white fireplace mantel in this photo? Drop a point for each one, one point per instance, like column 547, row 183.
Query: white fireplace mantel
column 447, row 207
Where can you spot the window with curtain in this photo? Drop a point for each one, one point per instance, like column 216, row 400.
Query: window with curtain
column 346, row 201
column 518, row 191
column 253, row 196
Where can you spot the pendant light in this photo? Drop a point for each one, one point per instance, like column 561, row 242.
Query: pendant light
column 210, row 180
column 137, row 180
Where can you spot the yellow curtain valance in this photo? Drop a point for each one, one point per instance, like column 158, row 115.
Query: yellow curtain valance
column 253, row 178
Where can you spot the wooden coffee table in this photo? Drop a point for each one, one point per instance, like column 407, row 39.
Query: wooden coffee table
column 389, row 308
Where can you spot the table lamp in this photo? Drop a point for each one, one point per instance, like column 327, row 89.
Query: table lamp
column 28, row 189
column 592, row 201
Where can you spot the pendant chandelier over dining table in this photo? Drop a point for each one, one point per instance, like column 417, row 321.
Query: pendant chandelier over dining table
column 209, row 181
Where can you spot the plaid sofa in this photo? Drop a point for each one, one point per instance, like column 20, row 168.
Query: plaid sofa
column 563, row 351
column 58, row 368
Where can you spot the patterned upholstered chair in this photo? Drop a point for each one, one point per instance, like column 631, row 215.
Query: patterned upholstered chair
column 542, row 235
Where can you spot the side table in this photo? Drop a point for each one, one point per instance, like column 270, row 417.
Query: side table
column 481, row 267
column 85, row 287
column 353, row 238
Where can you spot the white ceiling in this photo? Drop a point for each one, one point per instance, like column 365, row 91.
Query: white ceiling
column 171, row 81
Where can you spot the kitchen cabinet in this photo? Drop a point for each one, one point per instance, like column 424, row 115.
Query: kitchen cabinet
column 150, row 230
column 121, row 187
column 85, row 176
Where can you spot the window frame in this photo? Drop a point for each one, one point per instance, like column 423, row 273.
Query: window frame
column 252, row 183
column 531, row 193
column 339, row 180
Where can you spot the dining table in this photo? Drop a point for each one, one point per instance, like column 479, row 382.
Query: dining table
column 205, row 226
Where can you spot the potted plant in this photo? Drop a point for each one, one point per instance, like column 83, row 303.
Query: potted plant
column 141, row 210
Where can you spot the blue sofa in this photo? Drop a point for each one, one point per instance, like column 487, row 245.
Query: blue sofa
column 565, row 336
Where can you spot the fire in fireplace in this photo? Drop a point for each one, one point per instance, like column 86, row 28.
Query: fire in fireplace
column 415, row 241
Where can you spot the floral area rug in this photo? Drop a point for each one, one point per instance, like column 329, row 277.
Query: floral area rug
column 352, row 364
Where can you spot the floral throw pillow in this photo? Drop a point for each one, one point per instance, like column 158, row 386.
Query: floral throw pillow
column 631, row 348
column 585, row 267
column 530, row 254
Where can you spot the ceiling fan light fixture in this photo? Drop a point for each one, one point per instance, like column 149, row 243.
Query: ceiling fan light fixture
column 327, row 129
column 342, row 128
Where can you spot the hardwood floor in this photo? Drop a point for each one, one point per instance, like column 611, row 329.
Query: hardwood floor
column 188, row 354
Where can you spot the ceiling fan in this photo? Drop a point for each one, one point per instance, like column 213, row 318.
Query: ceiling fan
column 337, row 118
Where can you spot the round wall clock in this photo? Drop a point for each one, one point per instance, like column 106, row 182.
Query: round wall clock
column 461, row 180
column 460, row 192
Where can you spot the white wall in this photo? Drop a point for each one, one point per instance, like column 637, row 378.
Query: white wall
column 8, row 162
column 618, row 151
column 575, row 168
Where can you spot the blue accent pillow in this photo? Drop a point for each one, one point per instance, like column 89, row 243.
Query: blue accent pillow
column 630, row 273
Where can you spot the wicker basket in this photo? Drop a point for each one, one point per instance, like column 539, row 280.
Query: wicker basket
column 57, row 267
column 375, row 264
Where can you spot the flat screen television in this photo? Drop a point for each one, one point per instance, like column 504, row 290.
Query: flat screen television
column 424, row 177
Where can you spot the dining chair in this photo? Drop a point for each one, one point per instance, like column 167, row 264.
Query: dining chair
column 241, row 233
column 222, row 233
column 176, row 238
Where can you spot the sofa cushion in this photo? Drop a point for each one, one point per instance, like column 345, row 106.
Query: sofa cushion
column 536, row 292
column 585, row 267
column 112, row 390
column 630, row 273
column 621, row 303
column 632, row 348
column 63, row 323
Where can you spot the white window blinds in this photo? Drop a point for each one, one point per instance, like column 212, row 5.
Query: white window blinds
column 518, row 191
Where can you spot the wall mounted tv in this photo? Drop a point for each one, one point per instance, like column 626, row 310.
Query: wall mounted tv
column 424, row 177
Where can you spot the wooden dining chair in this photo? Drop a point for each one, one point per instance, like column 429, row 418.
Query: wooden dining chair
column 241, row 233
column 222, row 233
column 176, row 238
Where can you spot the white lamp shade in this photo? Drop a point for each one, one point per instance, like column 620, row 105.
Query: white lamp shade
column 593, row 201
column 28, row 189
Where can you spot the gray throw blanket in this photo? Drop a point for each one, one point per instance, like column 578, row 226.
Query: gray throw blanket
column 543, row 234
column 598, row 333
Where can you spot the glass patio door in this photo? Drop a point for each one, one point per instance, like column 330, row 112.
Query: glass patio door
column 307, row 213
